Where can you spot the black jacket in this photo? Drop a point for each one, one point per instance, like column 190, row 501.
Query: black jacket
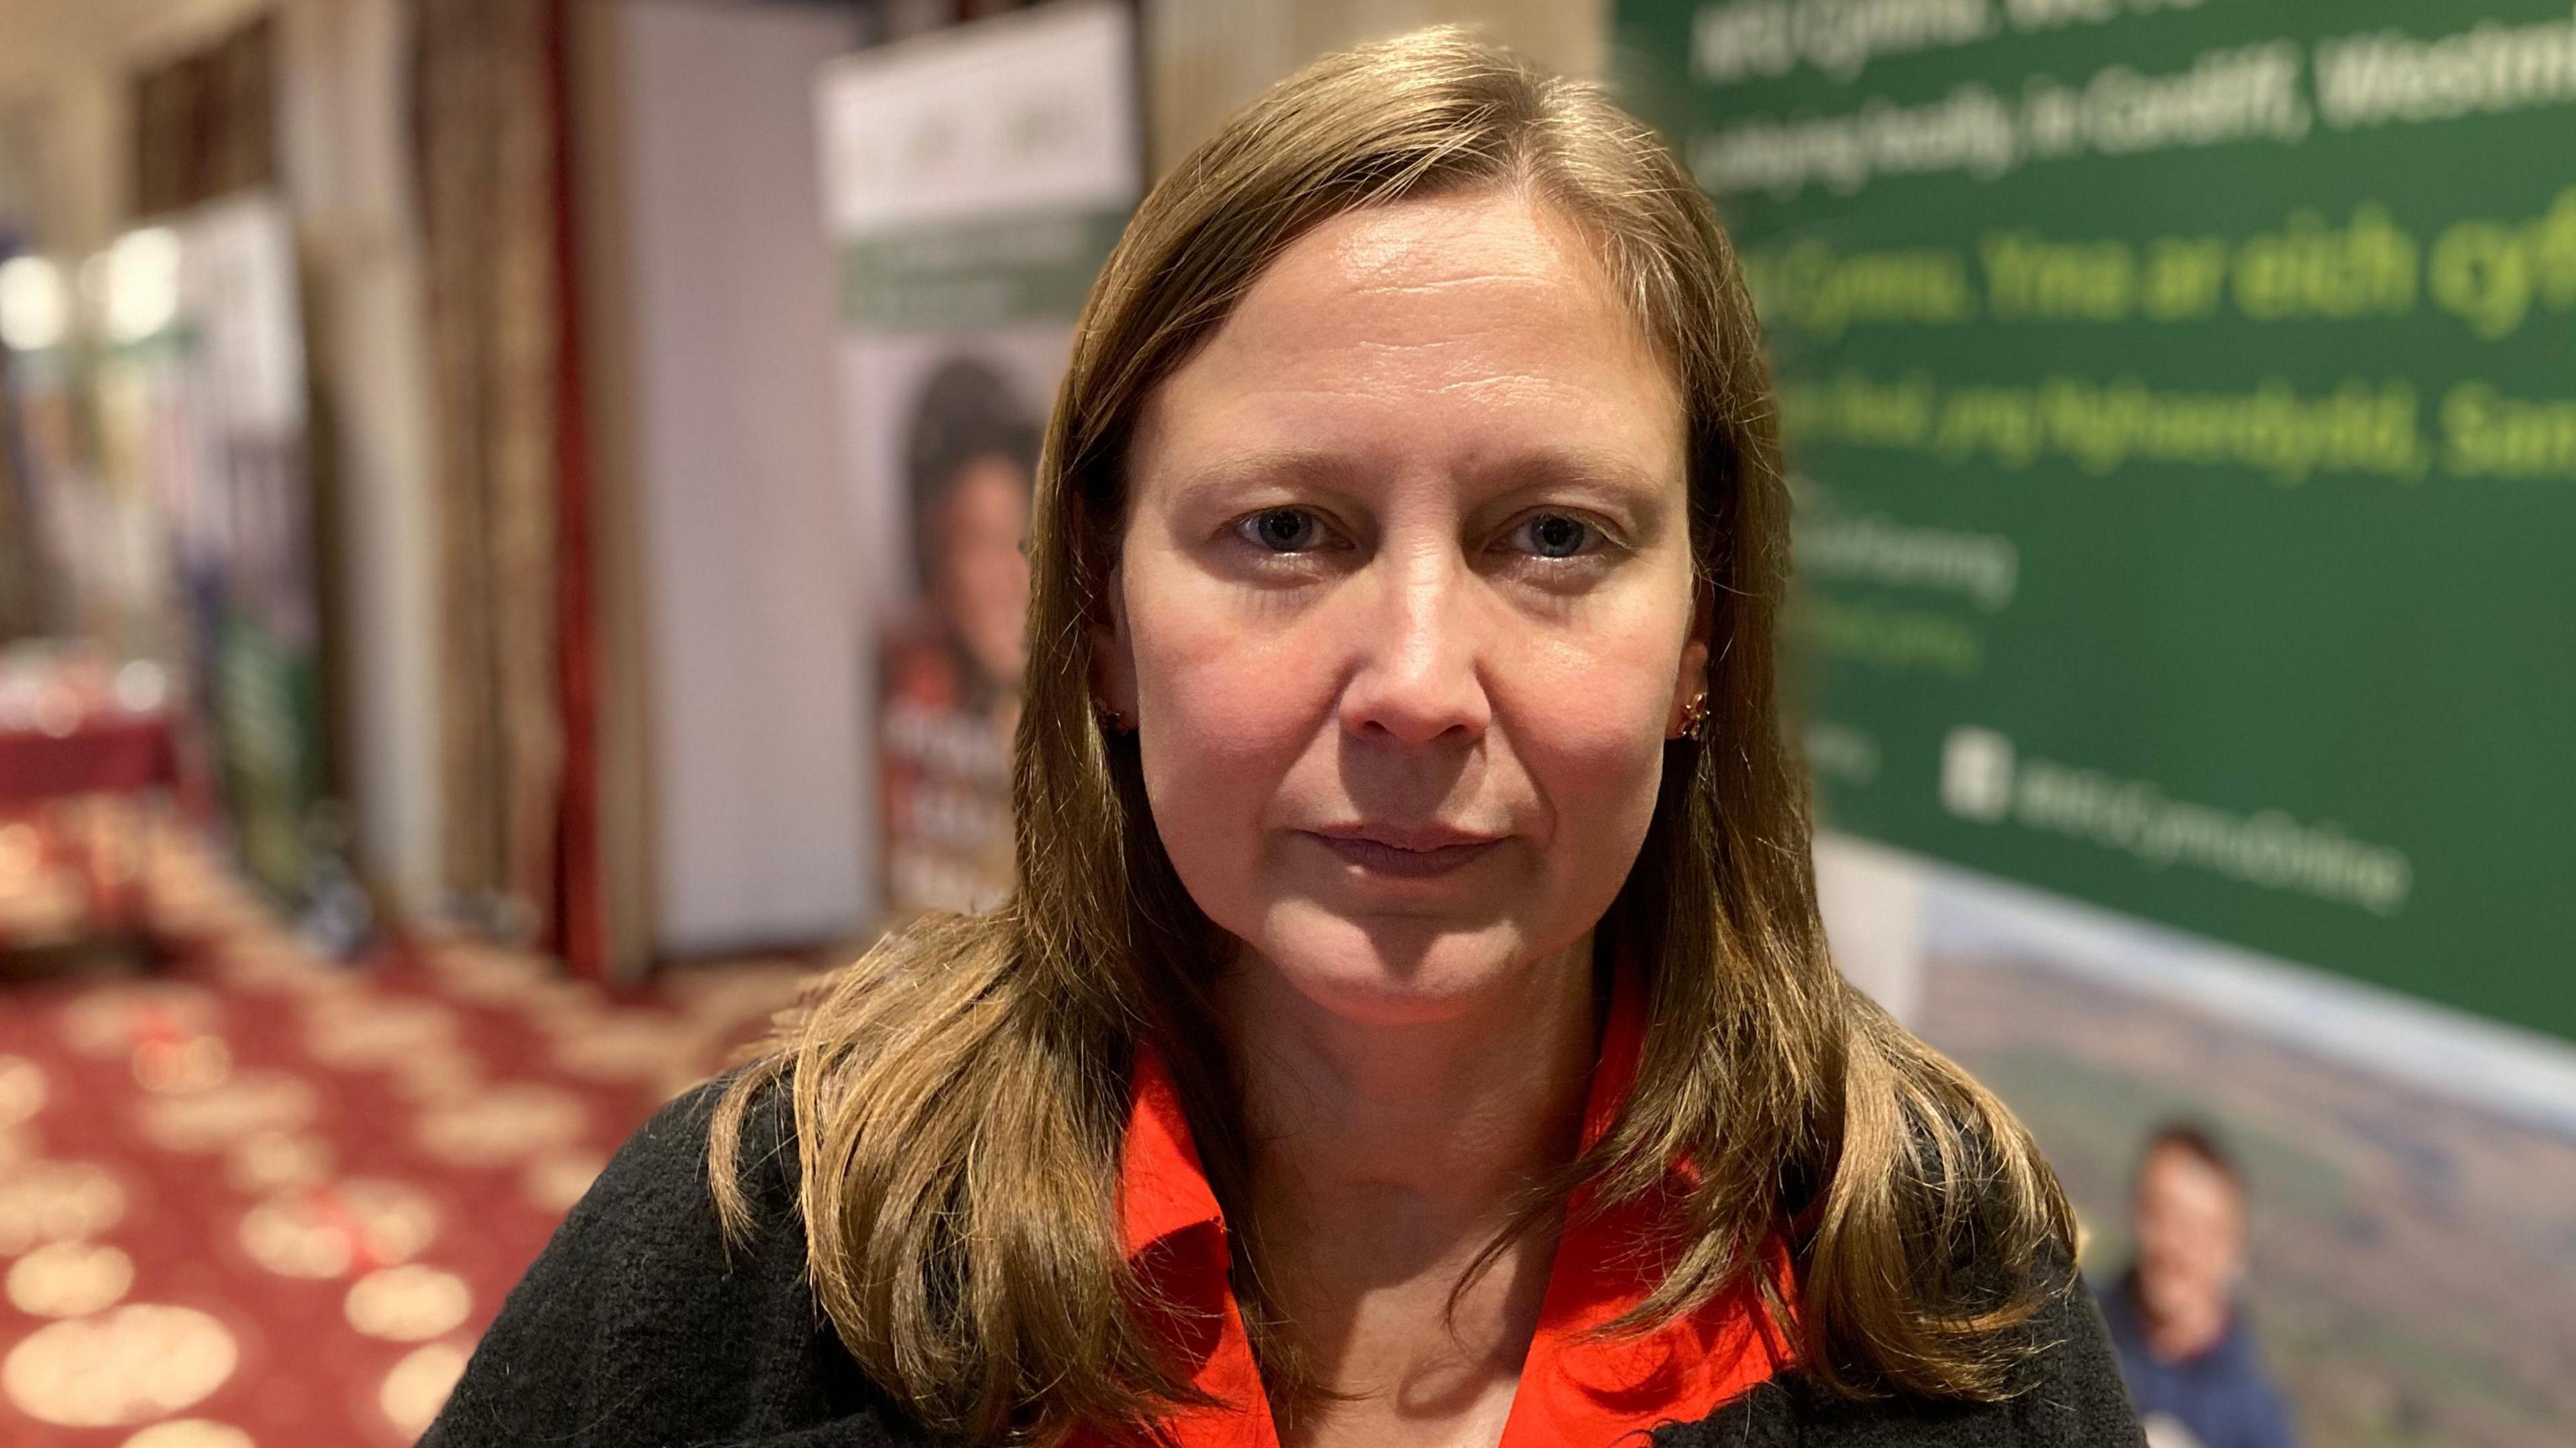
column 632, row 1329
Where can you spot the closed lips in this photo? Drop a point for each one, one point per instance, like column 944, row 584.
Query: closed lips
column 1409, row 853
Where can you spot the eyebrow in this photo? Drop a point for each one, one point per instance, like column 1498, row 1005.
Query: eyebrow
column 1577, row 467
column 1323, row 468
column 1312, row 467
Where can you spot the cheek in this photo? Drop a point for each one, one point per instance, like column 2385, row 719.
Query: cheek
column 1595, row 850
column 1225, row 713
column 1587, row 723
column 1220, row 688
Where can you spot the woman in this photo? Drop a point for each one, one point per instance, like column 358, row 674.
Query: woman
column 1412, row 1024
column 948, row 676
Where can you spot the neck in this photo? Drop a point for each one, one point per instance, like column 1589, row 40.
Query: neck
column 1424, row 1129
column 1386, row 1157
column 2180, row 1332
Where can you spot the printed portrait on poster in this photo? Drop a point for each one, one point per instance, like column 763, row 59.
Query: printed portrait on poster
column 949, row 670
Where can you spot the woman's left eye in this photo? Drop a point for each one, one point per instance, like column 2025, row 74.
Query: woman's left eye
column 1283, row 530
column 1555, row 535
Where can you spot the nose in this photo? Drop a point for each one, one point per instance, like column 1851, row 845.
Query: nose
column 1417, row 680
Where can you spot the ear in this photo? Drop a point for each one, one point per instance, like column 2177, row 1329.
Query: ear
column 1690, row 680
column 1113, row 653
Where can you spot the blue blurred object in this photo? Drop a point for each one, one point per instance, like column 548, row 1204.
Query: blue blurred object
column 2222, row 1397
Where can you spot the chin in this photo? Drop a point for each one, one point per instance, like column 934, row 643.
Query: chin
column 1395, row 970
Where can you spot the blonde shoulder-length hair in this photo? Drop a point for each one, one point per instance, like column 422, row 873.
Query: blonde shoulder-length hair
column 959, row 1094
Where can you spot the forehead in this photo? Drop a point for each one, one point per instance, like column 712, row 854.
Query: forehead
column 1494, row 257
column 2172, row 1169
column 1478, row 317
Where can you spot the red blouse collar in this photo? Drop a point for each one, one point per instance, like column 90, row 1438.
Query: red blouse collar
column 1576, row 1390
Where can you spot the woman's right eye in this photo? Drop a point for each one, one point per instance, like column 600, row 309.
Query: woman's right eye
column 1283, row 530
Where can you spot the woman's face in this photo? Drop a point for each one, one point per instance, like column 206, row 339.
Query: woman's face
column 1403, row 611
column 982, row 581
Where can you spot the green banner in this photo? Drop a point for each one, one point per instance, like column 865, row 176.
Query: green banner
column 2182, row 401
column 981, row 272
column 267, row 717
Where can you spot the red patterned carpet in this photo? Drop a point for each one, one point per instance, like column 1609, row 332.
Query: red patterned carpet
column 260, row 1200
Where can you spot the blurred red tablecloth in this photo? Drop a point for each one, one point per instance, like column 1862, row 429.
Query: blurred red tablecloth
column 115, row 754
column 67, row 738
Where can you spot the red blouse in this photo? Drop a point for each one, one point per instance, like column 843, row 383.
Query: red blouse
column 1575, row 1391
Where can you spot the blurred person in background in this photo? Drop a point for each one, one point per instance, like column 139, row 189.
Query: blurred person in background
column 1411, row 1023
column 969, row 459
column 2177, row 1317
column 949, row 677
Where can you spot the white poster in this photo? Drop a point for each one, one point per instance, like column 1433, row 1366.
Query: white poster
column 974, row 181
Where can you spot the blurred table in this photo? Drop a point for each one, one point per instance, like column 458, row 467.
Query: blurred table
column 74, row 732
column 106, row 756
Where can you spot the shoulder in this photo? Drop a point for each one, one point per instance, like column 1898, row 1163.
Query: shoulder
column 659, row 1178
column 648, row 1228
column 643, row 1322
column 2247, row 1387
column 2068, row 1394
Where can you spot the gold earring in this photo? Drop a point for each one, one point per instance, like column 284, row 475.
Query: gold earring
column 1695, row 717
